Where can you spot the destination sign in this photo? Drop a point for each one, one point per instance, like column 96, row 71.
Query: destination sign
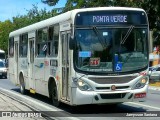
column 111, row 18
column 114, row 19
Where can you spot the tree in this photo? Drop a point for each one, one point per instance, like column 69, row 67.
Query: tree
column 50, row 2
column 153, row 10
column 6, row 28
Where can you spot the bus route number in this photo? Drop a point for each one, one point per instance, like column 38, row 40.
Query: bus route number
column 94, row 61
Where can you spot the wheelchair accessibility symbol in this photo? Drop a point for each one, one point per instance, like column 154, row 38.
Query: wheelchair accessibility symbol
column 118, row 66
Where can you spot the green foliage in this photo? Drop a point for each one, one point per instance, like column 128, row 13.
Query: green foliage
column 5, row 28
column 50, row 2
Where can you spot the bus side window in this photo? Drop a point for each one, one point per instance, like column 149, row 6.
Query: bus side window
column 42, row 37
column 23, row 45
column 56, row 39
column 52, row 44
column 11, row 47
column 50, row 40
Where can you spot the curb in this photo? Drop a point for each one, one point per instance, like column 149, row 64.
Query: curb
column 35, row 105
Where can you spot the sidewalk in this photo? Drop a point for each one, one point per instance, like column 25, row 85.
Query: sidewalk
column 10, row 107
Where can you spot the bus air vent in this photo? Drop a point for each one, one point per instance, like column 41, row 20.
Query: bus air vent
column 103, row 88
column 113, row 96
column 112, row 80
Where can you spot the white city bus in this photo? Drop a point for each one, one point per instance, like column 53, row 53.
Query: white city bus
column 84, row 56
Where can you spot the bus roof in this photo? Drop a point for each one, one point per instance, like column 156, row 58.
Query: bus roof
column 64, row 17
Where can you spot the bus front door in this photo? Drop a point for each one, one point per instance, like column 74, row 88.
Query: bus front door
column 65, row 65
column 31, row 65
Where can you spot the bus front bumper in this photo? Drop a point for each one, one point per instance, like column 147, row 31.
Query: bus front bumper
column 108, row 97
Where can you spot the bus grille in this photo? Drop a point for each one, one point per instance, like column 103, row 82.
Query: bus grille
column 103, row 88
column 113, row 96
column 108, row 88
column 112, row 80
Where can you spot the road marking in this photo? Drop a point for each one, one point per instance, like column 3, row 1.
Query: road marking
column 145, row 105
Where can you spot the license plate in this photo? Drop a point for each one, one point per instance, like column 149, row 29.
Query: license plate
column 140, row 95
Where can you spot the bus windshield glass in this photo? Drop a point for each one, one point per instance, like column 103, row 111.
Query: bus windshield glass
column 111, row 49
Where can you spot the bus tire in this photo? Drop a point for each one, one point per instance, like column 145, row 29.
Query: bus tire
column 22, row 85
column 54, row 95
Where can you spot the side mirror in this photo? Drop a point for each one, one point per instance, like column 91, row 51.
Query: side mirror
column 72, row 43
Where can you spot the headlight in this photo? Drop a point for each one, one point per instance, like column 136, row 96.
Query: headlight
column 82, row 85
column 141, row 83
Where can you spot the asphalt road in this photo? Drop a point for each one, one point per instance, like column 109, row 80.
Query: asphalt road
column 151, row 106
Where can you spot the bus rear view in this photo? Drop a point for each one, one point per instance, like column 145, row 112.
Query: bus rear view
column 110, row 56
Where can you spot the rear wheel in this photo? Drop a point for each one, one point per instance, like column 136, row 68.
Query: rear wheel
column 22, row 85
column 54, row 95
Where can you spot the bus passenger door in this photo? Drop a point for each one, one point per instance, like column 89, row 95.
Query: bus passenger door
column 31, row 65
column 65, row 65
column 16, row 62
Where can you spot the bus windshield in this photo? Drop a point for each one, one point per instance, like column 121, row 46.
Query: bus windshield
column 110, row 49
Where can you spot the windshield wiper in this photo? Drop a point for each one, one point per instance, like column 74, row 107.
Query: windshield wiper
column 127, row 34
column 76, row 79
column 100, row 37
